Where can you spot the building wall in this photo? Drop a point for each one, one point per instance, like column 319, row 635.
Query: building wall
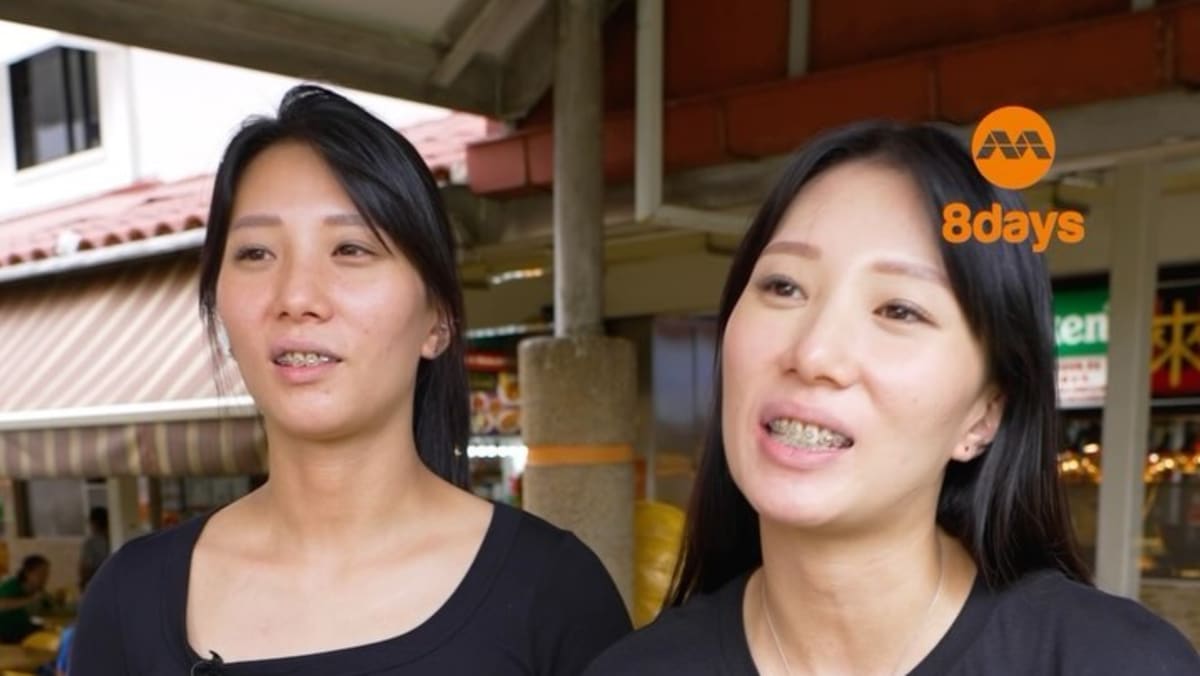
column 186, row 110
column 162, row 116
column 672, row 283
column 82, row 174
column 845, row 33
column 1177, row 240
column 711, row 45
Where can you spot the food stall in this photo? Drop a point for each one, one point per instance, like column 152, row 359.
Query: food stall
column 497, row 452
column 1171, row 508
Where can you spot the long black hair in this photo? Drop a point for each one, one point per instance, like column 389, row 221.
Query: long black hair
column 394, row 191
column 1006, row 505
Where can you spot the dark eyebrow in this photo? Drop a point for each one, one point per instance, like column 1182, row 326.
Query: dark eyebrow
column 801, row 249
column 909, row 269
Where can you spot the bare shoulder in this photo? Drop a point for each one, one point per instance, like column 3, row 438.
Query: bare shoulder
column 457, row 517
column 466, row 507
column 239, row 521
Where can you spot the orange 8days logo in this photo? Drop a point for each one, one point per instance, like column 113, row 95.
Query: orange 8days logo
column 1013, row 147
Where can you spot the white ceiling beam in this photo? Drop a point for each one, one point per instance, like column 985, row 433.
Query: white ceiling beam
column 468, row 44
column 529, row 68
column 799, row 32
column 265, row 38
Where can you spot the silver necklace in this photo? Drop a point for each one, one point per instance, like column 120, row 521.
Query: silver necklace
column 787, row 668
column 762, row 596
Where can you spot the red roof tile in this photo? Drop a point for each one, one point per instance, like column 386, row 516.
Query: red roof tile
column 139, row 211
column 443, row 142
column 152, row 208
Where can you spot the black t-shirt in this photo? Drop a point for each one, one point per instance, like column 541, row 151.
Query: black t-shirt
column 1044, row 624
column 535, row 600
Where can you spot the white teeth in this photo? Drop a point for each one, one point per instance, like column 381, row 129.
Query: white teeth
column 302, row 359
column 797, row 433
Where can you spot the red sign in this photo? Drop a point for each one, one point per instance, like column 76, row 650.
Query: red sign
column 1175, row 339
column 490, row 361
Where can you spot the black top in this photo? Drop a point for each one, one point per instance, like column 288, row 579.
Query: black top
column 535, row 600
column 1044, row 624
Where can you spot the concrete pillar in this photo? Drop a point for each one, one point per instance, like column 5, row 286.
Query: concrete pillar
column 123, row 522
column 578, row 397
column 648, row 153
column 9, row 501
column 1131, row 285
column 578, row 389
column 579, row 170
column 799, row 32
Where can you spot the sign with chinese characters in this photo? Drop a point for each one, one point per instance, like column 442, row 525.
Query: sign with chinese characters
column 1081, row 340
column 1081, row 381
column 1175, row 338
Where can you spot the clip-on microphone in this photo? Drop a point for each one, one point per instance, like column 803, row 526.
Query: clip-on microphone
column 209, row 667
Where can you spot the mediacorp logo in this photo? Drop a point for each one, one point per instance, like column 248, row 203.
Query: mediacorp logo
column 1013, row 148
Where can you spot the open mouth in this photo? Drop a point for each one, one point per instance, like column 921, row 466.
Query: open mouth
column 304, row 359
column 801, row 434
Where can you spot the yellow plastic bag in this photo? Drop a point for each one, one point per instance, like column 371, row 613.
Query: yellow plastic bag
column 658, row 530
column 43, row 640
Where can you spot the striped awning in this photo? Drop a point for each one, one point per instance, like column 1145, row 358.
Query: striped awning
column 110, row 373
column 187, row 447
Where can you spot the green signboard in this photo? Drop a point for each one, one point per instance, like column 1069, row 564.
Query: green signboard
column 1081, row 322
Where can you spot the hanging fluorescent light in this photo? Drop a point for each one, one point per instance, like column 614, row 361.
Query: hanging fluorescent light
column 516, row 275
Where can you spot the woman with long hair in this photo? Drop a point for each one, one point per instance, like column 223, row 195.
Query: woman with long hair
column 878, row 492
column 328, row 273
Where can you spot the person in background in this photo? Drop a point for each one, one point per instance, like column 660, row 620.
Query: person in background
column 18, row 593
column 95, row 548
column 879, row 488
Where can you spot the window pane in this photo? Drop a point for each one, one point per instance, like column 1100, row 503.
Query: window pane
column 1171, row 503
column 75, row 101
column 55, row 107
column 18, row 78
column 49, row 106
column 56, row 507
column 91, row 101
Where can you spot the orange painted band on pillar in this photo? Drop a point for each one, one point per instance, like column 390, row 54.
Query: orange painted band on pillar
column 582, row 454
